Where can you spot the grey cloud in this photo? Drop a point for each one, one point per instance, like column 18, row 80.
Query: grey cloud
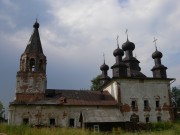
column 74, row 35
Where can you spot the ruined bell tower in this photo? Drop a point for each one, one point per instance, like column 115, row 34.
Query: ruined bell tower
column 31, row 78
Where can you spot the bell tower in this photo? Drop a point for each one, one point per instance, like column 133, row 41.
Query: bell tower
column 31, row 79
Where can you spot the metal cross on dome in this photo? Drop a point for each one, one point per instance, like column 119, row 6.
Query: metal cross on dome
column 154, row 41
column 104, row 57
column 126, row 33
column 117, row 40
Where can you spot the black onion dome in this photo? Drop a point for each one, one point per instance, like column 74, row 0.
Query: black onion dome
column 36, row 25
column 128, row 45
column 118, row 51
column 104, row 67
column 157, row 54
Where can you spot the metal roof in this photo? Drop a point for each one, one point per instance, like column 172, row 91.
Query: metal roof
column 109, row 115
column 73, row 97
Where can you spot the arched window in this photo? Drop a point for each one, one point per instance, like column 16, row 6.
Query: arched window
column 41, row 65
column 32, row 64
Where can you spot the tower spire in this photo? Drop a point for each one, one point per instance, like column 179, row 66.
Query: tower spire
column 34, row 44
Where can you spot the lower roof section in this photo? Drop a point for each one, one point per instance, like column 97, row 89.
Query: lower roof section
column 92, row 116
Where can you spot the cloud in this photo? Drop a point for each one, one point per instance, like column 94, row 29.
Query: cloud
column 7, row 19
column 92, row 27
column 9, row 4
column 75, row 34
column 80, row 31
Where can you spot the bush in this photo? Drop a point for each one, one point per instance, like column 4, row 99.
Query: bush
column 159, row 126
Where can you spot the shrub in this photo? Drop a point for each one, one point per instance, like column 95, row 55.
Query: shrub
column 159, row 126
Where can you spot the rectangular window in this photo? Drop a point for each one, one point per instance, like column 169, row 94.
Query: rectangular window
column 159, row 118
column 96, row 128
column 25, row 121
column 146, row 104
column 133, row 104
column 157, row 104
column 71, row 122
column 147, row 119
column 52, row 121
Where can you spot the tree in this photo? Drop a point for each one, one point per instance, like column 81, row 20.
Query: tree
column 95, row 83
column 1, row 110
column 176, row 95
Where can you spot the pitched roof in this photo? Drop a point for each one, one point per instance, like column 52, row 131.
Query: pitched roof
column 83, row 97
column 73, row 97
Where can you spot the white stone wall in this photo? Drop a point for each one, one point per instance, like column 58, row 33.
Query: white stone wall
column 140, row 90
column 61, row 114
column 112, row 89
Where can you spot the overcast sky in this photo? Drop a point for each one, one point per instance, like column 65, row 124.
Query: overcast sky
column 75, row 34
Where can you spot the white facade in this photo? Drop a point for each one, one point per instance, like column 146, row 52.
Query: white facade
column 155, row 92
column 42, row 115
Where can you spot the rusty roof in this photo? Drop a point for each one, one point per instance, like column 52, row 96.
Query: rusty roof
column 84, row 97
column 73, row 97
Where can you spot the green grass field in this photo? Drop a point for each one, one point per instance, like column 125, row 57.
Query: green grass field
column 159, row 129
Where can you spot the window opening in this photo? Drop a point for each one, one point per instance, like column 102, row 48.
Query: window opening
column 159, row 118
column 96, row 128
column 133, row 104
column 147, row 119
column 157, row 104
column 32, row 64
column 52, row 121
column 71, row 122
column 25, row 121
column 146, row 104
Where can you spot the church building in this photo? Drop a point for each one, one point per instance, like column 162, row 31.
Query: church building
column 127, row 96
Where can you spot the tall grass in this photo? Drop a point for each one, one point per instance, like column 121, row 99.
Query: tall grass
column 160, row 126
column 158, row 129
column 26, row 130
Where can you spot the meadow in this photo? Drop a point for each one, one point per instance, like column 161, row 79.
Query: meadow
column 158, row 129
